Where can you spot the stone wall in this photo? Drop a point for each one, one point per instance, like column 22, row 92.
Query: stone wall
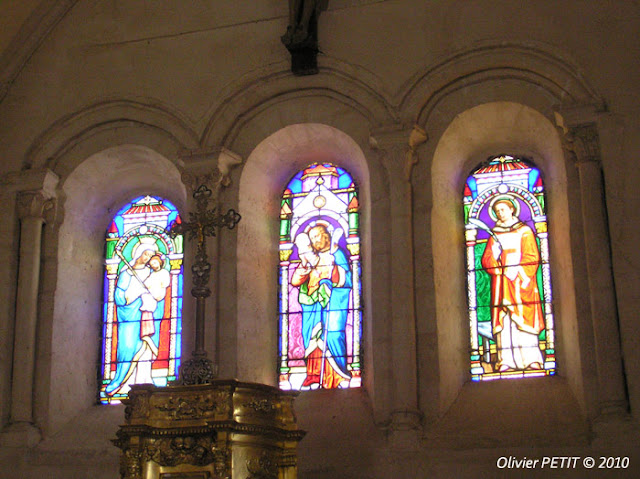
column 124, row 97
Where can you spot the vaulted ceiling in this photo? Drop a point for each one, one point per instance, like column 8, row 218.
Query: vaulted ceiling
column 24, row 24
column 13, row 16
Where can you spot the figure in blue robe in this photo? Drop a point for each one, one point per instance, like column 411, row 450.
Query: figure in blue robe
column 127, row 296
column 324, row 279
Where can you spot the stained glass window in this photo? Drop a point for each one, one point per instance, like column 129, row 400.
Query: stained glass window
column 320, row 307
column 508, row 273
column 142, row 318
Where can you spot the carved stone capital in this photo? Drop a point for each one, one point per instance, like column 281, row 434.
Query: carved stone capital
column 399, row 143
column 193, row 180
column 585, row 142
column 389, row 138
column 34, row 204
column 208, row 167
column 580, row 139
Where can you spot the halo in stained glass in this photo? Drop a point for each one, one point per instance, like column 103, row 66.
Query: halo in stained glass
column 142, row 314
column 508, row 273
column 320, row 306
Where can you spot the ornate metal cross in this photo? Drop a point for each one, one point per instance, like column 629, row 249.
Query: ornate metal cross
column 202, row 223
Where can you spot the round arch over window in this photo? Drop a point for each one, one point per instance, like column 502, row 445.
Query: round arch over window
column 508, row 273
column 142, row 318
column 320, row 304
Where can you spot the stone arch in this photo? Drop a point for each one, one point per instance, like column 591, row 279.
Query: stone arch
column 70, row 330
column 282, row 155
column 492, row 72
column 475, row 134
column 71, row 139
column 337, row 82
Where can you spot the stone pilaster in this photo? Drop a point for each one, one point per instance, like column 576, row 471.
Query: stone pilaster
column 585, row 145
column 34, row 206
column 211, row 168
column 398, row 153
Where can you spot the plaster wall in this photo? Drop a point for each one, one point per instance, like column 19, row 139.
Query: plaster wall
column 94, row 192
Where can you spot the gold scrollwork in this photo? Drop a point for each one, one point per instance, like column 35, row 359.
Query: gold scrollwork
column 261, row 405
column 173, row 451
column 222, row 462
column 181, row 407
column 264, row 467
column 130, row 467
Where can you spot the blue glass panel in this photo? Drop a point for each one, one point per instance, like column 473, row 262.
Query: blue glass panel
column 511, row 305
column 138, row 282
column 317, row 301
column 471, row 183
column 534, row 174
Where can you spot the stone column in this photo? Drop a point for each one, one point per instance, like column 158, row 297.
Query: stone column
column 398, row 153
column 210, row 167
column 611, row 389
column 33, row 207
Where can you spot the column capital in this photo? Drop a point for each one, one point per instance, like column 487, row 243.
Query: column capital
column 35, row 204
column 581, row 142
column 390, row 137
column 586, row 143
column 399, row 140
column 210, row 167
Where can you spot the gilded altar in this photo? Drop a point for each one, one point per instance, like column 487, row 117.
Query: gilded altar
column 223, row 430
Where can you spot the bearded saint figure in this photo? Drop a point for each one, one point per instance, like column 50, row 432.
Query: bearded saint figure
column 324, row 280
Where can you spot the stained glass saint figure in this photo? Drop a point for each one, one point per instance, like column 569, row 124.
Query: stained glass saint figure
column 143, row 299
column 508, row 273
column 320, row 308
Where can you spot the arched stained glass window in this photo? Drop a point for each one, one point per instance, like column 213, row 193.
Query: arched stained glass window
column 508, row 273
column 320, row 307
column 142, row 319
